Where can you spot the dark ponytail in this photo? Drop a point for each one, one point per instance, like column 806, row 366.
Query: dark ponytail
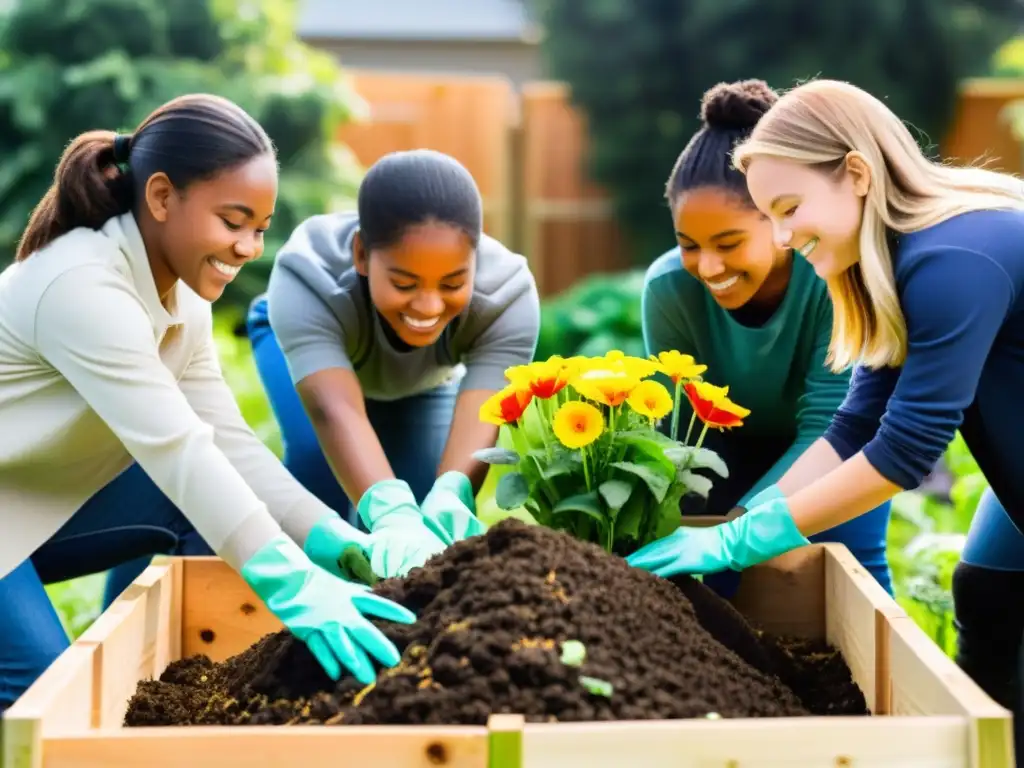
column 102, row 174
column 88, row 189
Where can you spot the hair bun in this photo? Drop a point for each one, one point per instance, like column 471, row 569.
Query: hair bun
column 736, row 106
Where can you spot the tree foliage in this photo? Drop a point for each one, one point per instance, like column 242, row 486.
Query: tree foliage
column 68, row 66
column 638, row 68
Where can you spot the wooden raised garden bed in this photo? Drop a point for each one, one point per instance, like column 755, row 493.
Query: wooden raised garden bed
column 925, row 712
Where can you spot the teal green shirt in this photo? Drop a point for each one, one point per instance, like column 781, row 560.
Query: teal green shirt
column 774, row 366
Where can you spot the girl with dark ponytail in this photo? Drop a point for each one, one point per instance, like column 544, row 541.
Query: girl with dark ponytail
column 120, row 437
column 758, row 317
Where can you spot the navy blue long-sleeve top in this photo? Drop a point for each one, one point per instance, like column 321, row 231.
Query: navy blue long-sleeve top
column 961, row 287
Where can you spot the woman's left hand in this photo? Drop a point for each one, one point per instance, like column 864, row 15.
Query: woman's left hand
column 765, row 531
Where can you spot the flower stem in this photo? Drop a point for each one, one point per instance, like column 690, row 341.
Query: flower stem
column 700, row 440
column 675, row 410
column 689, row 429
column 586, row 471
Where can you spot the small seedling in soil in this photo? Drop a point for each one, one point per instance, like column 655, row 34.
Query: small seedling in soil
column 492, row 637
column 574, row 653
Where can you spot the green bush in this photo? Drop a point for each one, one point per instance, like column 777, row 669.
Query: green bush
column 68, row 66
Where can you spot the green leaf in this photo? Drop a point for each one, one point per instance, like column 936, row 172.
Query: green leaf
column 512, row 491
column 616, row 493
column 652, row 476
column 562, row 464
column 587, row 503
column 666, row 517
column 695, row 483
column 496, row 455
column 631, row 517
column 688, row 457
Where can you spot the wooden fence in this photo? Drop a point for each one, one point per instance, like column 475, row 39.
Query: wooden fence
column 527, row 151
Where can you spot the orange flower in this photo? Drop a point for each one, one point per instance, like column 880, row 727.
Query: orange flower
column 506, row 406
column 543, row 379
column 713, row 406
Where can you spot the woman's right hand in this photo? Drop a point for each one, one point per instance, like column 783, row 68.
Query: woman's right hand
column 324, row 611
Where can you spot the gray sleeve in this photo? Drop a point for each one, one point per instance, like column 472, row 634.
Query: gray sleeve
column 311, row 336
column 510, row 328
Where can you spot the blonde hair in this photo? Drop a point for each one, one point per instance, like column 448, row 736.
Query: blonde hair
column 820, row 123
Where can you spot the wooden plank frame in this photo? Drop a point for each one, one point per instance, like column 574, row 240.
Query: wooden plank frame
column 926, row 711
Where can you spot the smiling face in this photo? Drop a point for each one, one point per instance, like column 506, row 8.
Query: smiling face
column 816, row 213
column 422, row 282
column 727, row 245
column 208, row 231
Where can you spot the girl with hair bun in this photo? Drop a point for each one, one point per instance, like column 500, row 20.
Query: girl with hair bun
column 121, row 438
column 382, row 333
column 757, row 316
column 924, row 263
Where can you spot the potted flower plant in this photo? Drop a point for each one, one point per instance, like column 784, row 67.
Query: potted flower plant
column 584, row 450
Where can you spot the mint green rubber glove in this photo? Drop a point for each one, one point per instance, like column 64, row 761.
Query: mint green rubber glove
column 340, row 548
column 449, row 509
column 323, row 611
column 766, row 494
column 399, row 541
column 764, row 532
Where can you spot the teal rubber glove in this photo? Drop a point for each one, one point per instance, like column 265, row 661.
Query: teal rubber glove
column 766, row 494
column 399, row 540
column 340, row 548
column 764, row 532
column 323, row 611
column 449, row 509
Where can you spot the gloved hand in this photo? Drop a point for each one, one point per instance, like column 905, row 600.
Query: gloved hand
column 340, row 548
column 399, row 540
column 766, row 494
column 764, row 532
column 449, row 509
column 323, row 611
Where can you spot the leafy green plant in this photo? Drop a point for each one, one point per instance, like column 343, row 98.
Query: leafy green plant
column 585, row 452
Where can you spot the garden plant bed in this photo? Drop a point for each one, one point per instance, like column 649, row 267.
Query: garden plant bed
column 672, row 654
column 495, row 614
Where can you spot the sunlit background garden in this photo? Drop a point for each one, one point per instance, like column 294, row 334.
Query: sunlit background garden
column 568, row 114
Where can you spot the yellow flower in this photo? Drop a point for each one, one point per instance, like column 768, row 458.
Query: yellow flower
column 650, row 399
column 677, row 366
column 605, row 387
column 577, row 424
column 617, row 361
column 543, row 379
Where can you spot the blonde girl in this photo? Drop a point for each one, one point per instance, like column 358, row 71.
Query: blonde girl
column 924, row 264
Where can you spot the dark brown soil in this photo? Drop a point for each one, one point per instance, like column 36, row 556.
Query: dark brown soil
column 493, row 614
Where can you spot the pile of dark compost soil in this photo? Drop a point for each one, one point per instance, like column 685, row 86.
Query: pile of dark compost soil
column 494, row 613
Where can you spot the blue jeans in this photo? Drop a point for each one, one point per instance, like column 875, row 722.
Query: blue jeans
column 864, row 536
column 412, row 431
column 988, row 605
column 127, row 521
